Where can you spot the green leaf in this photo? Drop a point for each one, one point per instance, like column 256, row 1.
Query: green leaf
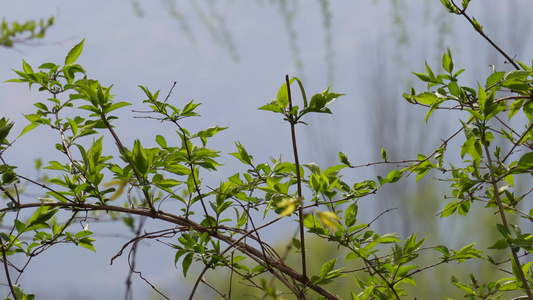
column 26, row 67
column 454, row 89
column 9, row 177
column 426, row 98
column 500, row 245
column 272, row 107
column 354, row 296
column 187, row 261
column 383, row 154
column 464, row 287
column 449, row 209
column 344, row 159
column 447, row 62
column 327, row 267
column 311, row 221
column 430, row 73
column 117, row 106
column 494, row 78
column 242, row 155
column 282, row 98
column 20, row 226
column 74, row 53
column 526, row 161
column 28, row 129
column 48, row 66
column 482, row 97
column 140, row 159
column 73, row 126
column 503, row 230
column 515, row 107
column 477, row 26
column 297, row 244
column 42, row 214
column 422, row 76
column 87, row 243
column 5, row 127
column 188, row 109
column 161, row 141
column 302, row 91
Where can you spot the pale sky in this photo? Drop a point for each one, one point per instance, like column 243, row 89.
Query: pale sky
column 126, row 50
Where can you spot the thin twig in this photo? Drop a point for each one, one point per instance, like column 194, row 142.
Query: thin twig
column 463, row 12
column 129, row 292
column 143, row 278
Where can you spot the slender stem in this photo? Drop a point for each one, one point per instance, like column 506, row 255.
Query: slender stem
column 298, row 179
column 501, row 210
column 463, row 12
column 197, row 282
column 518, row 141
column 6, row 269
column 195, row 181
column 8, row 195
column 231, row 277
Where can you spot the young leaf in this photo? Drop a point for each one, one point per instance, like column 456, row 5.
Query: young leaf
column 161, row 141
column 74, row 53
column 327, row 267
column 140, row 159
column 447, row 62
column 26, row 67
column 477, row 26
column 283, row 97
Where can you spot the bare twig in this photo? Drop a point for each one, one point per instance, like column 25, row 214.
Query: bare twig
column 129, row 293
column 142, row 277
column 509, row 59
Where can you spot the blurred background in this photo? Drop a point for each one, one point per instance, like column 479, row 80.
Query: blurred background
column 232, row 57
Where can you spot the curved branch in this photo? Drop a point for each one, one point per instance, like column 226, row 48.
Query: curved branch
column 251, row 252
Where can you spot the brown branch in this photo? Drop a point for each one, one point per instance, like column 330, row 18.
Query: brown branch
column 6, row 269
column 246, row 249
column 8, row 195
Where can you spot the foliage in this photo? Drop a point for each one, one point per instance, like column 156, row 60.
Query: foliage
column 221, row 227
column 16, row 33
